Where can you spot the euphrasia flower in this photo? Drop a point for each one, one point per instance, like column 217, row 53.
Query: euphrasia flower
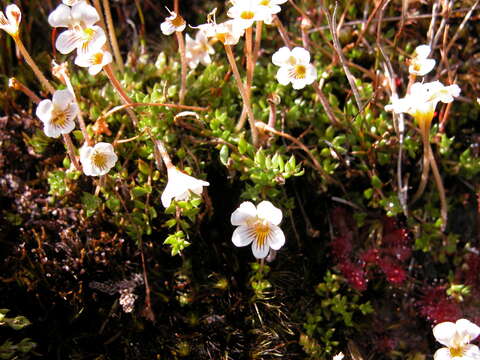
column 258, row 226
column 173, row 23
column 423, row 99
column 95, row 60
column 82, row 33
column 97, row 160
column 198, row 50
column 180, row 186
column 58, row 115
column 295, row 67
column 420, row 64
column 246, row 12
column 228, row 32
column 11, row 22
column 339, row 356
column 456, row 337
column 270, row 8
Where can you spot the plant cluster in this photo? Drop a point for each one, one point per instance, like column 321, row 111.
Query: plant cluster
column 134, row 173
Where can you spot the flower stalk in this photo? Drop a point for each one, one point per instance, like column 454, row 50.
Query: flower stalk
column 81, row 120
column 183, row 60
column 113, row 36
column 243, row 93
column 24, row 52
column 71, row 151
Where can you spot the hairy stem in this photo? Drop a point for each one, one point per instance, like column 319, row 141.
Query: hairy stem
column 113, row 36
column 243, row 93
column 43, row 80
column 440, row 188
column 121, row 92
column 183, row 58
column 71, row 151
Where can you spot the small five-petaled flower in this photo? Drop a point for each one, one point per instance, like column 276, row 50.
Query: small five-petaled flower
column 58, row 115
column 258, row 226
column 180, row 186
column 457, row 337
column 97, row 160
column 420, row 64
column 295, row 67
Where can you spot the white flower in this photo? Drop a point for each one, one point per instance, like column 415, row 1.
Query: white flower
column 423, row 99
column 58, row 115
column 258, row 226
column 456, row 337
column 295, row 67
column 97, row 160
column 271, row 7
column 198, row 50
column 11, row 22
column 95, row 61
column 82, row 33
column 180, row 185
column 228, row 32
column 420, row 64
column 339, row 356
column 246, row 12
column 173, row 23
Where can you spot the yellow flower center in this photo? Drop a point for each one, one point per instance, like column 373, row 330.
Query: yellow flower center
column 265, row 2
column 222, row 37
column 88, row 35
column 178, row 21
column 97, row 58
column 99, row 160
column 298, row 72
column 59, row 117
column 247, row 15
column 262, row 230
column 456, row 351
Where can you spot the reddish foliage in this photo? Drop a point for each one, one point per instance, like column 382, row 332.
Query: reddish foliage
column 437, row 307
column 389, row 256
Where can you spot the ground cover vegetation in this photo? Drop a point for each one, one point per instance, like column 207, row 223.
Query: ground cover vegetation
column 239, row 180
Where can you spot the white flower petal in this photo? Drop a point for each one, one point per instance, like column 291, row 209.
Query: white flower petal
column 281, row 56
column 60, row 17
column 95, row 69
column 246, row 212
column 276, row 238
column 442, row 354
column 260, row 252
column 445, row 332
column 14, row 15
column 68, row 41
column 95, row 43
column 302, row 55
column 44, row 110
column 422, row 51
column 180, row 185
column 467, row 330
column 242, row 236
column 267, row 211
column 472, row 352
column 298, row 84
column 167, row 28
column 85, row 14
column 283, row 75
column 62, row 98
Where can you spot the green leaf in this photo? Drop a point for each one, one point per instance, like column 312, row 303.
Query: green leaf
column 91, row 203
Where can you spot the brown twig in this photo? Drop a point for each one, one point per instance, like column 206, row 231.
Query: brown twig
column 336, row 44
column 17, row 85
column 113, row 36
